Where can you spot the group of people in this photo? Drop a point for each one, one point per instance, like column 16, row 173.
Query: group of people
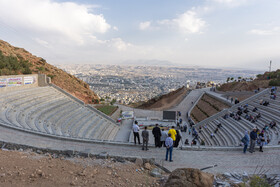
column 236, row 100
column 168, row 139
column 244, row 109
column 256, row 136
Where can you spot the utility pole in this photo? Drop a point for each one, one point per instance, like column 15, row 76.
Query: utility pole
column 270, row 66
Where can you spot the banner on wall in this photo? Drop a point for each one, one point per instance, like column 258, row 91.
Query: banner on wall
column 3, row 82
column 29, row 80
column 17, row 81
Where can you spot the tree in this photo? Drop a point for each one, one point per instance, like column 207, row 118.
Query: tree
column 228, row 79
column 113, row 101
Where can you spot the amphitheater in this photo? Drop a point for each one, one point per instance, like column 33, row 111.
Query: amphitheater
column 40, row 114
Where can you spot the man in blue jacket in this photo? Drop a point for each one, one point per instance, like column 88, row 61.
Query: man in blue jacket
column 253, row 138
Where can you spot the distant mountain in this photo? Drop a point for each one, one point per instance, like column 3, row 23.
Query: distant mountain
column 14, row 60
column 148, row 63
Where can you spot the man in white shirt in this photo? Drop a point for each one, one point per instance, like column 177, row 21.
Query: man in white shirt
column 136, row 129
column 163, row 137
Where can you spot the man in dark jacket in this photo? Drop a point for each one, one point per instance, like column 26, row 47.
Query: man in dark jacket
column 145, row 136
column 156, row 132
column 253, row 138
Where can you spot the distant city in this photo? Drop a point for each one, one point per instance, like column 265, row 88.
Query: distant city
column 131, row 84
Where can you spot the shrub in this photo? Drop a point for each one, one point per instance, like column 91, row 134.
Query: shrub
column 275, row 82
column 257, row 181
column 13, row 65
column 51, row 76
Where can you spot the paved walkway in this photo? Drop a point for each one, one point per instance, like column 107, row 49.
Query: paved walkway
column 227, row 161
column 125, row 130
column 186, row 105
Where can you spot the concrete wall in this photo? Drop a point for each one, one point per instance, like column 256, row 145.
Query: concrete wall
column 219, row 99
column 42, row 80
column 16, row 82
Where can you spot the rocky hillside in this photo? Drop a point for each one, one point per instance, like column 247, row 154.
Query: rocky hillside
column 14, row 60
column 262, row 81
column 165, row 101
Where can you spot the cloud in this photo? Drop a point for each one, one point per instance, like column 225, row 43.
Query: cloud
column 231, row 3
column 187, row 23
column 273, row 31
column 119, row 44
column 145, row 25
column 66, row 19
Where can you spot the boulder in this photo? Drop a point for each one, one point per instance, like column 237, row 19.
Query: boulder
column 147, row 166
column 189, row 177
column 155, row 173
column 139, row 161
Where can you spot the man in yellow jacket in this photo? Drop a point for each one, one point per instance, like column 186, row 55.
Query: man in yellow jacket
column 173, row 133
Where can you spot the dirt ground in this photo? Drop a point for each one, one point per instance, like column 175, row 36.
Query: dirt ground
column 204, row 105
column 237, row 94
column 26, row 168
column 167, row 101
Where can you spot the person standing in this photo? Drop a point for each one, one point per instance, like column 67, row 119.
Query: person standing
column 156, row 132
column 145, row 136
column 261, row 140
column 173, row 133
column 136, row 129
column 253, row 137
column 163, row 137
column 178, row 138
column 169, row 148
column 245, row 140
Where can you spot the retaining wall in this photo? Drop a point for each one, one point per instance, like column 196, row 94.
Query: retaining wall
column 17, row 82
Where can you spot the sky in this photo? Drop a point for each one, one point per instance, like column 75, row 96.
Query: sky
column 207, row 33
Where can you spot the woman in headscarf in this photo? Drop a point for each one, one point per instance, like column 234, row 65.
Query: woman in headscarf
column 245, row 140
column 261, row 140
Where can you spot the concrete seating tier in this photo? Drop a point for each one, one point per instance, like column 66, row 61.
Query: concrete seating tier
column 232, row 130
column 48, row 110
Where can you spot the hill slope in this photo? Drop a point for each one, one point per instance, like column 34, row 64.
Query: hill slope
column 14, row 60
column 165, row 101
column 262, row 81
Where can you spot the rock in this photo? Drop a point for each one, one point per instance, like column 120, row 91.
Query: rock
column 155, row 173
column 39, row 172
column 119, row 159
column 189, row 177
column 109, row 173
column 236, row 176
column 2, row 175
column 227, row 175
column 103, row 155
column 147, row 166
column 139, row 161
column 245, row 176
column 222, row 183
column 72, row 183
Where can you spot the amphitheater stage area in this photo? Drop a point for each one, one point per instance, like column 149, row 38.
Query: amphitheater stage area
column 47, row 117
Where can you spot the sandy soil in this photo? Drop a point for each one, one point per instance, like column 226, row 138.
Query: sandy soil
column 237, row 94
column 167, row 101
column 31, row 169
